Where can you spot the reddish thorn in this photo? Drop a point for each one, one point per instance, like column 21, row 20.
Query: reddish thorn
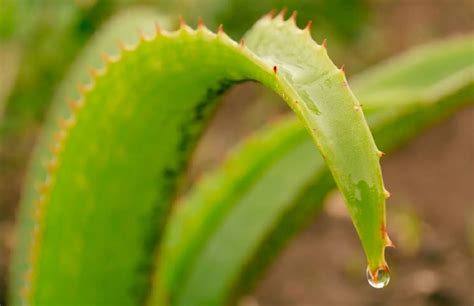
column 93, row 73
column 63, row 123
column 283, row 13
column 106, row 58
column 182, row 23
column 220, row 29
column 324, row 44
column 157, row 28
column 293, row 16
column 55, row 148
column 51, row 165
column 309, row 25
column 38, row 212
column 43, row 188
column 59, row 135
column 270, row 14
column 67, row 123
column 242, row 43
column 389, row 242
column 73, row 105
column 342, row 69
column 82, row 88
column 120, row 44
column 141, row 35
column 200, row 23
column 275, row 69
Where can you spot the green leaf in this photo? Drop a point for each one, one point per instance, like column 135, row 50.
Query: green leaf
column 225, row 232
column 89, row 231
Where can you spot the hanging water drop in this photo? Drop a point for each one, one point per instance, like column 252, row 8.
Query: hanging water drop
column 380, row 278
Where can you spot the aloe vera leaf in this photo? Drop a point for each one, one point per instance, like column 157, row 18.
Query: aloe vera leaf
column 122, row 28
column 366, row 195
column 127, row 141
column 233, row 222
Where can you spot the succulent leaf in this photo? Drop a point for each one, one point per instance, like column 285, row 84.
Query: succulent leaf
column 90, row 230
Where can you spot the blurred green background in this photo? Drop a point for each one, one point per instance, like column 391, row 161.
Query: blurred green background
column 40, row 41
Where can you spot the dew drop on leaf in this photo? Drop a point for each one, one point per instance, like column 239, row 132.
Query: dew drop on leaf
column 380, row 278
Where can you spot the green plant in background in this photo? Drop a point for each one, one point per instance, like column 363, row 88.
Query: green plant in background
column 93, row 229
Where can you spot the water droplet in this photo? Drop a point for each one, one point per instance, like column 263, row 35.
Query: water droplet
column 380, row 278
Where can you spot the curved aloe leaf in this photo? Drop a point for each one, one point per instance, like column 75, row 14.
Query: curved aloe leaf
column 90, row 230
column 229, row 227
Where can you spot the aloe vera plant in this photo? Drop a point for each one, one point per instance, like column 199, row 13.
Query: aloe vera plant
column 91, row 230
